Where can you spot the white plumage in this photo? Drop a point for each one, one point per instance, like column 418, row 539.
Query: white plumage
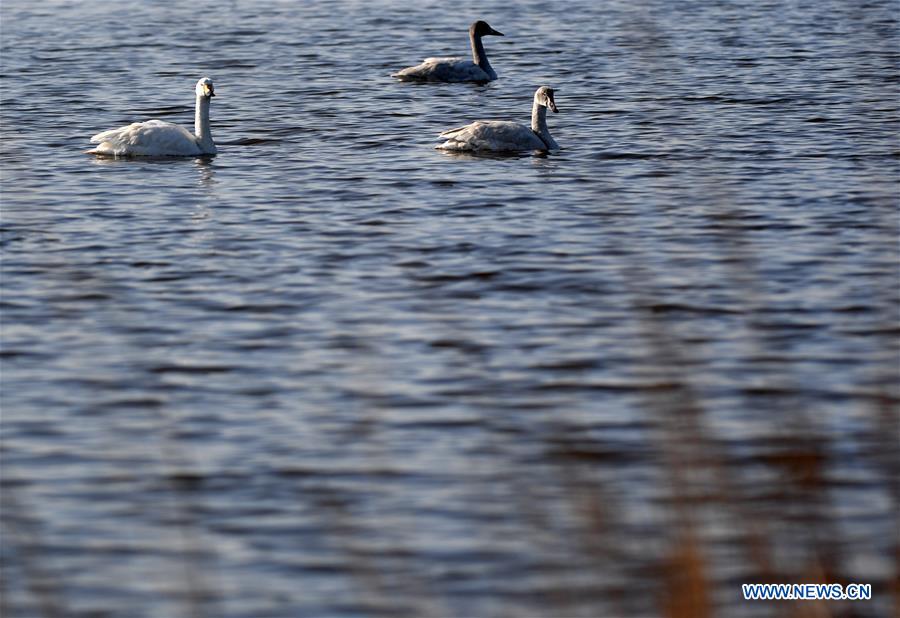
column 505, row 136
column 456, row 69
column 151, row 138
column 155, row 138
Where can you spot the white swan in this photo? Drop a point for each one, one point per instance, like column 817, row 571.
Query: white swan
column 503, row 136
column 156, row 138
column 456, row 69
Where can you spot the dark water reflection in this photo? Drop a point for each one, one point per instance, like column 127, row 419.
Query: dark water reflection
column 333, row 372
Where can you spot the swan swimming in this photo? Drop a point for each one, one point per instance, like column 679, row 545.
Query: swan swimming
column 456, row 69
column 155, row 138
column 504, row 136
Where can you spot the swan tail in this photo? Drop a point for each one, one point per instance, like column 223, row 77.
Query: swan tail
column 452, row 144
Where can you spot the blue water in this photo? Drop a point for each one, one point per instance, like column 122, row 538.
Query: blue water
column 335, row 372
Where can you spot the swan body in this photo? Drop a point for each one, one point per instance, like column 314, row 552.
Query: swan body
column 147, row 139
column 155, row 138
column 456, row 69
column 446, row 70
column 492, row 135
column 504, row 136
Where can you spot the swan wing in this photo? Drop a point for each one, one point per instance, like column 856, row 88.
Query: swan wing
column 444, row 70
column 450, row 132
column 444, row 60
column 146, row 139
column 492, row 135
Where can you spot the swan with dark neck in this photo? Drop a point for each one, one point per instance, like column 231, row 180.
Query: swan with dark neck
column 457, row 69
column 479, row 56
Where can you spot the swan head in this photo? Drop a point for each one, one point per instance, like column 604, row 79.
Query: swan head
column 544, row 96
column 481, row 28
column 205, row 88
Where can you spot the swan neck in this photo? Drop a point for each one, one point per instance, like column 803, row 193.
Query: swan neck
column 539, row 119
column 539, row 124
column 479, row 56
column 201, row 123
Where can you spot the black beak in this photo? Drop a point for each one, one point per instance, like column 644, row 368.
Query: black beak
column 212, row 93
column 495, row 32
column 553, row 107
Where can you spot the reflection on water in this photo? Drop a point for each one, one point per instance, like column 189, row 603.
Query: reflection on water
column 497, row 156
column 205, row 165
column 335, row 372
column 206, row 176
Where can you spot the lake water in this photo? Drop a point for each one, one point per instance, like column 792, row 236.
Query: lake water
column 335, row 372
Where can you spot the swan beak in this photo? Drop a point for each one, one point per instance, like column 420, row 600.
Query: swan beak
column 212, row 93
column 552, row 106
column 495, row 32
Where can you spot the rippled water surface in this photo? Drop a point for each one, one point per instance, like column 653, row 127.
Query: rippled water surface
column 334, row 372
